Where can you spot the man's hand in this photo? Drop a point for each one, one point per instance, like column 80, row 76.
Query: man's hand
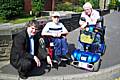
column 37, row 61
column 58, row 34
column 54, row 34
column 49, row 61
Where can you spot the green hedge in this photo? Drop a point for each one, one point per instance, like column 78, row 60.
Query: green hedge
column 67, row 6
column 114, row 4
column 10, row 9
column 37, row 6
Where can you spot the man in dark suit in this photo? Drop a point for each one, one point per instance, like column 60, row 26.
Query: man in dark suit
column 26, row 50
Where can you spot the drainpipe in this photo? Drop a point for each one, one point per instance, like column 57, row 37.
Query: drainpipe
column 53, row 5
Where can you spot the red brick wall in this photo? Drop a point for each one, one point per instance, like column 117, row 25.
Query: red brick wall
column 49, row 5
column 27, row 6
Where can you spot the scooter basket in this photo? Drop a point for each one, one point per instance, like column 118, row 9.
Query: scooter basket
column 86, row 38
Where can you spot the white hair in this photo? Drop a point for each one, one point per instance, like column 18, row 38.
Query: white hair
column 87, row 5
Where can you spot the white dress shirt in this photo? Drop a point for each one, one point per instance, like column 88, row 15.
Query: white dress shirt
column 32, row 46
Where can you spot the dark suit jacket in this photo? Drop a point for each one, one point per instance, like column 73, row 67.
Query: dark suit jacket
column 21, row 48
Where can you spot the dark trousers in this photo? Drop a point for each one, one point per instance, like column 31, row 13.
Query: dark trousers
column 25, row 66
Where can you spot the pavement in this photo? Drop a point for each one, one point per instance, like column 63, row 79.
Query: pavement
column 108, row 73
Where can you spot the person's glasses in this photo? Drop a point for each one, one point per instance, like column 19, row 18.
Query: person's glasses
column 56, row 16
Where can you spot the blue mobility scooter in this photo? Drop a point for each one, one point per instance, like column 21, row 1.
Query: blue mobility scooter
column 90, row 57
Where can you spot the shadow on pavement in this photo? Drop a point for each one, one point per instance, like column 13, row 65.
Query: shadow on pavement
column 71, row 47
column 8, row 69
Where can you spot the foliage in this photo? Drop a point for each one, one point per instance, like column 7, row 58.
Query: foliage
column 95, row 3
column 37, row 6
column 118, row 3
column 81, row 2
column 78, row 9
column 2, row 20
column 114, row 4
column 10, row 9
column 67, row 6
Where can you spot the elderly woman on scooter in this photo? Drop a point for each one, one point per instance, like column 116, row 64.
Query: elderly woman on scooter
column 91, row 16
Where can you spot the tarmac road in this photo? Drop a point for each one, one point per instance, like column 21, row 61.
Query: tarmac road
column 111, row 57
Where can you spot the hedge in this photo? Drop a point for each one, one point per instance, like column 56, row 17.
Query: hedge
column 10, row 9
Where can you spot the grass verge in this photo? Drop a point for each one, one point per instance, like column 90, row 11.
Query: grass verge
column 16, row 21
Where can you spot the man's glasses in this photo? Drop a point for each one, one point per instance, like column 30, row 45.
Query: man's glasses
column 56, row 16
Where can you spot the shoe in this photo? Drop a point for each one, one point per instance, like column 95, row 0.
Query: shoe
column 48, row 67
column 56, row 61
column 67, row 59
column 69, row 62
